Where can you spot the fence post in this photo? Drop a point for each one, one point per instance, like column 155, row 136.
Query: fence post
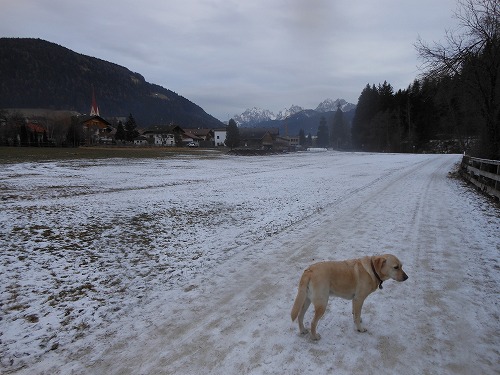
column 497, row 183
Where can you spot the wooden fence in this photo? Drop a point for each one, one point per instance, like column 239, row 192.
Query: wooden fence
column 483, row 173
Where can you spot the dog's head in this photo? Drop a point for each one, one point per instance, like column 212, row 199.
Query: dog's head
column 389, row 267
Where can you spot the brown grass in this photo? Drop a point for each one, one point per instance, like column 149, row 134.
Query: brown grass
column 26, row 154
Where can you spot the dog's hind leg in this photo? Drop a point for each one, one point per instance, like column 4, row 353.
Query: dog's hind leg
column 303, row 330
column 319, row 310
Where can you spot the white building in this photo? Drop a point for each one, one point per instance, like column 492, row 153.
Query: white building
column 160, row 137
column 164, row 140
column 219, row 137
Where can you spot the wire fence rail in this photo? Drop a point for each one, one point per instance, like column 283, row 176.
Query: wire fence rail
column 483, row 173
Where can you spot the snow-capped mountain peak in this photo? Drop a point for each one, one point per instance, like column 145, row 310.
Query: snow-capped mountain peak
column 284, row 113
column 254, row 116
column 257, row 115
column 330, row 105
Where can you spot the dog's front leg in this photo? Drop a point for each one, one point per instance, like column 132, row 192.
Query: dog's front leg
column 357, row 304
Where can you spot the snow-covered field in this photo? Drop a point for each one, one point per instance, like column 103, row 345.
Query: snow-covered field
column 190, row 264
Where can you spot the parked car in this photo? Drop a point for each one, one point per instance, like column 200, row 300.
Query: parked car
column 192, row 144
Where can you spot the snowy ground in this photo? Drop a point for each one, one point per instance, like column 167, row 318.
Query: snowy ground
column 189, row 265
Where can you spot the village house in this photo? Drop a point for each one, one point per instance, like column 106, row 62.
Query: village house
column 190, row 139
column 202, row 137
column 220, row 137
column 291, row 143
column 167, row 136
column 283, row 143
column 37, row 130
column 96, row 130
column 258, row 138
column 141, row 141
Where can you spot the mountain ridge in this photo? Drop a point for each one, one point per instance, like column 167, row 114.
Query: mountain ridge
column 35, row 73
column 255, row 116
column 291, row 121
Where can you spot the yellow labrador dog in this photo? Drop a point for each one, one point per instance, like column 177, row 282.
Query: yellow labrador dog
column 352, row 279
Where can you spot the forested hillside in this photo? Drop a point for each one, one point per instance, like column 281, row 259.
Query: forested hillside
column 38, row 74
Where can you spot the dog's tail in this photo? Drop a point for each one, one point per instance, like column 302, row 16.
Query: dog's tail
column 301, row 294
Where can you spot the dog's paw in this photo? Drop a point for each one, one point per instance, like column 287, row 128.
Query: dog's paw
column 361, row 329
column 304, row 331
column 315, row 337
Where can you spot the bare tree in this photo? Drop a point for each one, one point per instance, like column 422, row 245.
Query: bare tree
column 472, row 55
column 478, row 28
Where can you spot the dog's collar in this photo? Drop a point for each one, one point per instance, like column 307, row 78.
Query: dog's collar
column 379, row 280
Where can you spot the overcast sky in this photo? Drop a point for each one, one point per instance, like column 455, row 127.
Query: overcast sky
column 230, row 55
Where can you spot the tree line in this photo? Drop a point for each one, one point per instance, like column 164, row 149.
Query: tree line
column 457, row 97
column 48, row 131
column 454, row 106
column 406, row 120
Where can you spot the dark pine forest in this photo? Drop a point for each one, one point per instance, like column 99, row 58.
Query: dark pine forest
column 456, row 100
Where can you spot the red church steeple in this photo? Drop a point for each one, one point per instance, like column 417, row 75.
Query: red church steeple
column 94, row 109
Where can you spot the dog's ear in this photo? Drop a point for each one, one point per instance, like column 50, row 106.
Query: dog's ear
column 379, row 262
